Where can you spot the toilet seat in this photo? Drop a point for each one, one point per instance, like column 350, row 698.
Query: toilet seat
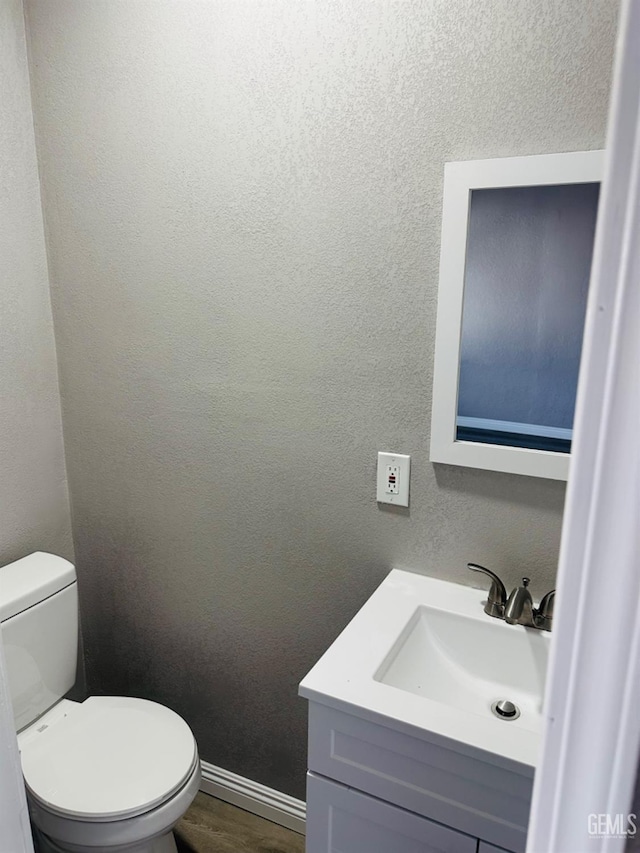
column 111, row 759
column 79, row 836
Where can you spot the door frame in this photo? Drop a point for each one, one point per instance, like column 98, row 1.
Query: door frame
column 14, row 816
column 589, row 756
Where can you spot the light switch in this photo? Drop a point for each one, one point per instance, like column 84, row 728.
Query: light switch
column 393, row 478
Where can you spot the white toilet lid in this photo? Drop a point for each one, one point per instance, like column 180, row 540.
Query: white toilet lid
column 112, row 758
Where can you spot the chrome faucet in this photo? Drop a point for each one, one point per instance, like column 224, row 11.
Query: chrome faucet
column 518, row 608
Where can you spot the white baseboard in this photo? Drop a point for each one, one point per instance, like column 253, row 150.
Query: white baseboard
column 253, row 797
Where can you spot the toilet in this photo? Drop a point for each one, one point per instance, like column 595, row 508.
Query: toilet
column 110, row 774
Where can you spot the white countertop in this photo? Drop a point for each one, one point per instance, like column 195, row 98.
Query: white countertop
column 343, row 678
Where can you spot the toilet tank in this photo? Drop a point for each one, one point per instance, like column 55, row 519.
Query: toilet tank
column 39, row 621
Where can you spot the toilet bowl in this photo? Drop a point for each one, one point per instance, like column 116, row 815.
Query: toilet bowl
column 150, row 832
column 107, row 775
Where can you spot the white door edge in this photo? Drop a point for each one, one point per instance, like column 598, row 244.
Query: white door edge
column 589, row 757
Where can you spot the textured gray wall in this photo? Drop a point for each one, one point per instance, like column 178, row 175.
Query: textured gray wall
column 243, row 203
column 34, row 501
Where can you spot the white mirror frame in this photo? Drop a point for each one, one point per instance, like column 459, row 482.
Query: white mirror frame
column 460, row 179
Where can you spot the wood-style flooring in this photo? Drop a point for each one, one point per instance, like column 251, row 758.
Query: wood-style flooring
column 211, row 826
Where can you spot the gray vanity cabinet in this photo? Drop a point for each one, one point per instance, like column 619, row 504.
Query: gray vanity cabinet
column 343, row 820
column 373, row 788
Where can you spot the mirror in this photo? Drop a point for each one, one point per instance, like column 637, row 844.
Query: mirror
column 517, row 244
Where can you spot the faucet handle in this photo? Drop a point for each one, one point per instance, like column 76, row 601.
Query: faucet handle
column 497, row 597
column 544, row 613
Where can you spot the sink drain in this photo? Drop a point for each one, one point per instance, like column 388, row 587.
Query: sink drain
column 505, row 710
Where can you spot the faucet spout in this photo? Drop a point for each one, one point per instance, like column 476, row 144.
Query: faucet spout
column 519, row 607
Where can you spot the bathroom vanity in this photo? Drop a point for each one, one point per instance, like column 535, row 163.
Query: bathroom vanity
column 405, row 751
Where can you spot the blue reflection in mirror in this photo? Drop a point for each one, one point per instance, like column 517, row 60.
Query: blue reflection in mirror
column 527, row 269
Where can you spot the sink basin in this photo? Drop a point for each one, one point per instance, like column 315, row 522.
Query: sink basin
column 422, row 656
column 469, row 664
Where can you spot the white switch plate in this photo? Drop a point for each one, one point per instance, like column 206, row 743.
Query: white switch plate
column 393, row 479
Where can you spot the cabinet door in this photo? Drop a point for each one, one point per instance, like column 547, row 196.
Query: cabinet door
column 426, row 778
column 489, row 848
column 343, row 820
